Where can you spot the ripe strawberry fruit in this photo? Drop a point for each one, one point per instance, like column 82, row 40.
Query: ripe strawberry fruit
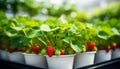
column 10, row 49
column 36, row 49
column 91, row 46
column 26, row 48
column 100, row 48
column 2, row 46
column 108, row 48
column 50, row 51
column 62, row 52
column 114, row 46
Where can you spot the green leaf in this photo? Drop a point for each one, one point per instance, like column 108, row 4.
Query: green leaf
column 103, row 35
column 45, row 27
column 67, row 40
column 18, row 28
column 15, row 42
column 2, row 15
column 76, row 47
column 115, row 31
column 54, row 29
column 10, row 32
column 35, row 33
column 24, row 41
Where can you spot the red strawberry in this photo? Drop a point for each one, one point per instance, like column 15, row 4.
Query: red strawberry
column 114, row 46
column 2, row 46
column 50, row 51
column 18, row 49
column 36, row 49
column 62, row 52
column 108, row 48
column 25, row 48
column 10, row 49
column 100, row 48
column 91, row 46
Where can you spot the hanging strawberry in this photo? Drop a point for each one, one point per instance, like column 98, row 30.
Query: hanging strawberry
column 108, row 48
column 91, row 46
column 62, row 52
column 10, row 49
column 100, row 48
column 50, row 51
column 57, row 52
column 36, row 49
column 43, row 51
column 114, row 46
column 26, row 48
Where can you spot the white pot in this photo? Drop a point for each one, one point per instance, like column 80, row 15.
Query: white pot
column 17, row 57
column 4, row 55
column 116, row 53
column 60, row 62
column 84, row 59
column 0, row 54
column 35, row 60
column 102, row 56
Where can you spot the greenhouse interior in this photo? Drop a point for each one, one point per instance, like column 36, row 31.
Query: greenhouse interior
column 59, row 34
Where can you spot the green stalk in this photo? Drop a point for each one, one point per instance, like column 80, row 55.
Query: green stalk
column 31, row 43
column 24, row 32
column 42, row 41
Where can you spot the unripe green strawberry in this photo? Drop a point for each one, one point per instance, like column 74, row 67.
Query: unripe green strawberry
column 57, row 52
column 43, row 51
column 84, row 48
column 70, row 51
column 95, row 49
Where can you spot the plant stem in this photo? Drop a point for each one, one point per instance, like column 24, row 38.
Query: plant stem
column 42, row 41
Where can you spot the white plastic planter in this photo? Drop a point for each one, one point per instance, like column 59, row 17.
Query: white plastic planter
column 102, row 56
column 4, row 55
column 116, row 53
column 60, row 62
column 35, row 60
column 84, row 59
column 17, row 57
column 0, row 54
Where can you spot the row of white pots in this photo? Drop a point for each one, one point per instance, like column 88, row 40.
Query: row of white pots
column 102, row 55
column 63, row 61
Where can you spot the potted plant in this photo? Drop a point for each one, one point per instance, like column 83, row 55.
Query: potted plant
column 60, row 54
column 87, row 44
column 115, row 39
column 104, row 43
column 34, row 54
column 115, row 44
column 3, row 40
column 31, row 45
column 14, row 30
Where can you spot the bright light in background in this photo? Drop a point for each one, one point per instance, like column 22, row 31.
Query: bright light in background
column 56, row 2
column 103, row 5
